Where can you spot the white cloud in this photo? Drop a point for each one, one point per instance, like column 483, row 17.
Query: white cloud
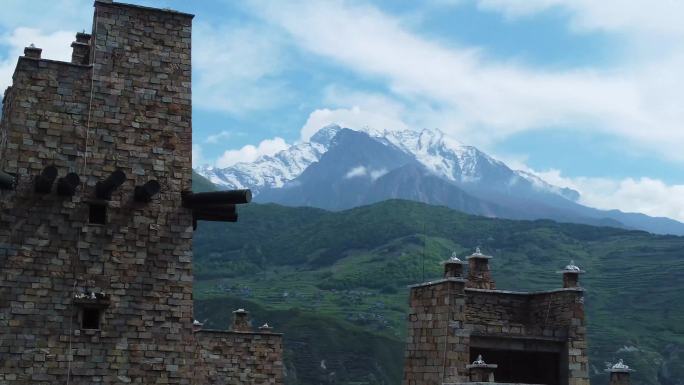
column 354, row 117
column 375, row 174
column 197, row 157
column 236, row 68
column 355, row 172
column 48, row 15
column 662, row 17
column 55, row 45
column 644, row 195
column 362, row 171
column 477, row 99
column 215, row 138
column 250, row 153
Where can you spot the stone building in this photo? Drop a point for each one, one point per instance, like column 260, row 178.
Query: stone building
column 96, row 218
column 461, row 329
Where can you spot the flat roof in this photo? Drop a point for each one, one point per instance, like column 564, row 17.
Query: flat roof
column 254, row 332
column 495, row 291
column 575, row 289
column 430, row 283
column 142, row 7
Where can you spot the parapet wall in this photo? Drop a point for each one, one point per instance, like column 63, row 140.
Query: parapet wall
column 542, row 314
column 447, row 319
column 227, row 358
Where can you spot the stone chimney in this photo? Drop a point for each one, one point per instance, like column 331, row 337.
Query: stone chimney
column 241, row 321
column 619, row 374
column 479, row 276
column 81, row 49
column 453, row 267
column 571, row 275
column 32, row 51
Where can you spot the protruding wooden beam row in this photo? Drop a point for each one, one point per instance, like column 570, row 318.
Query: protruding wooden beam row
column 217, row 206
column 68, row 184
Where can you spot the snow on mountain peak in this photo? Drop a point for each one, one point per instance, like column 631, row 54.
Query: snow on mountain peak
column 543, row 185
column 437, row 152
column 325, row 134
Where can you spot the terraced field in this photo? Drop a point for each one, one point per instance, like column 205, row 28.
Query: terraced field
column 335, row 283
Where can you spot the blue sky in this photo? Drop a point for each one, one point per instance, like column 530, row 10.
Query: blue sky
column 587, row 94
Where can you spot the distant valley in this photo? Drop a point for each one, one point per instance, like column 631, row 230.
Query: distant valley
column 335, row 282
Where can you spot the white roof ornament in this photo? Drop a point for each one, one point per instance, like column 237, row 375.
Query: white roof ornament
column 478, row 254
column 32, row 45
column 572, row 266
column 454, row 257
column 620, row 366
column 480, row 363
column 479, row 360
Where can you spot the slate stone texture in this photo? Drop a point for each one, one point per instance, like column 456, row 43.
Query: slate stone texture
column 123, row 103
column 449, row 317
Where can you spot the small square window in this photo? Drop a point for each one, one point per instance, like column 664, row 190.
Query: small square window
column 90, row 318
column 98, row 213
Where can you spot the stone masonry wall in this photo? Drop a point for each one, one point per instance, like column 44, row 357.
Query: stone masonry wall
column 128, row 108
column 561, row 314
column 140, row 122
column 496, row 312
column 434, row 351
column 555, row 317
column 248, row 358
column 550, row 314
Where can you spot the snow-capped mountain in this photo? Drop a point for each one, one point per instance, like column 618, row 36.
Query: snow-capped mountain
column 340, row 168
column 272, row 171
column 438, row 153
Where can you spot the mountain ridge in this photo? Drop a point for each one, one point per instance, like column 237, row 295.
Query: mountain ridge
column 289, row 177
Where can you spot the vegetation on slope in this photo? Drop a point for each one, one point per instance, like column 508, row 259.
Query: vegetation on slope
column 201, row 184
column 335, row 283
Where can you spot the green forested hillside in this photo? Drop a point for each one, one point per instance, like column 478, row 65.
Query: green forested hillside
column 201, row 184
column 335, row 283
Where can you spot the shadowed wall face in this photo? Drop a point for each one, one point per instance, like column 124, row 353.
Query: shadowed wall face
column 119, row 291
column 524, row 367
column 96, row 261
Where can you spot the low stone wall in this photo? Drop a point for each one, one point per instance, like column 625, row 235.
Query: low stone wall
column 246, row 358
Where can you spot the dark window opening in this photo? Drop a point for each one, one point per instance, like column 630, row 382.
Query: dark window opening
column 90, row 318
column 528, row 367
column 98, row 213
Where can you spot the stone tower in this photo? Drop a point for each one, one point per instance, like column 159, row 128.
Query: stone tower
column 462, row 331
column 95, row 239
